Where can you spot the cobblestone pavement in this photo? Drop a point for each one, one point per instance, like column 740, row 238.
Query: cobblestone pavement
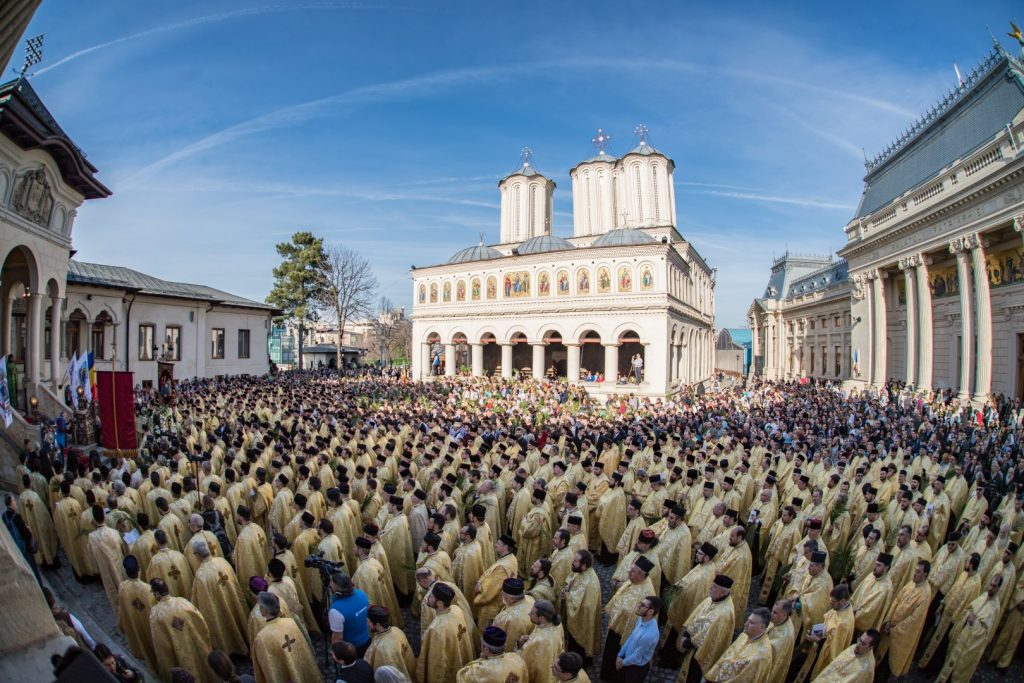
column 89, row 603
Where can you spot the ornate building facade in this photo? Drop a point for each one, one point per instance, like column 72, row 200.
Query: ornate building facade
column 625, row 284
column 934, row 254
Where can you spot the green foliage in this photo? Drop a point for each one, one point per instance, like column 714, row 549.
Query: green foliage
column 841, row 564
column 300, row 279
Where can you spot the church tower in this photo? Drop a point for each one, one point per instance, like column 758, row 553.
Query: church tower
column 594, row 204
column 645, row 191
column 526, row 202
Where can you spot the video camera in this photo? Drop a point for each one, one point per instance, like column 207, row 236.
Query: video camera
column 317, row 561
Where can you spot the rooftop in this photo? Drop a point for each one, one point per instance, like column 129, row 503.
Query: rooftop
column 120, row 277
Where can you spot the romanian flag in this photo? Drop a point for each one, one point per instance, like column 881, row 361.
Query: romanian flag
column 92, row 376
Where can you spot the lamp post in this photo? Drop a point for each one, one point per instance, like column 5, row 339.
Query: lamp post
column 33, row 404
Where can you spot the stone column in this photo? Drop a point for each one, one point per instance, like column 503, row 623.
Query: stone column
column 572, row 363
column 907, row 265
column 506, row 359
column 961, row 247
column 425, row 369
column 924, row 310
column 611, row 363
column 449, row 360
column 537, row 363
column 983, row 314
column 1018, row 224
column 476, row 350
column 35, row 337
column 879, row 351
column 5, row 319
column 55, row 321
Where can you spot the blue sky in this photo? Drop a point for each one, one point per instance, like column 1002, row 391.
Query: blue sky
column 223, row 127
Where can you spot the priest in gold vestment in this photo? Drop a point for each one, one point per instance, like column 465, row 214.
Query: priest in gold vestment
column 749, row 658
column 107, row 552
column 966, row 587
column 468, row 563
column 180, row 635
column 971, row 635
column 216, row 594
column 495, row 665
column 621, row 611
column 706, row 632
column 692, row 590
column 487, row 595
column 370, row 578
column 581, row 602
column 250, row 554
column 514, row 617
column 446, row 646
column 281, row 652
column 873, row 596
column 782, row 635
column 134, row 602
column 388, row 644
column 541, row 647
column 905, row 620
column 856, row 664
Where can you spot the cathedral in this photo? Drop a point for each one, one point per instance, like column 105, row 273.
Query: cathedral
column 624, row 305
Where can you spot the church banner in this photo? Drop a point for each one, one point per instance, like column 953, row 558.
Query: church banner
column 6, row 412
column 117, row 411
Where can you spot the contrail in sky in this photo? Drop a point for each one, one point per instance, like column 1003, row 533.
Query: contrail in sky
column 208, row 19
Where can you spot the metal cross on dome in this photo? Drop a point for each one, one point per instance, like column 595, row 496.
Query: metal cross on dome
column 601, row 140
column 641, row 133
column 527, row 156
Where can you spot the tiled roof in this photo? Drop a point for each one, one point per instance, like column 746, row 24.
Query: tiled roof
column 126, row 278
column 965, row 120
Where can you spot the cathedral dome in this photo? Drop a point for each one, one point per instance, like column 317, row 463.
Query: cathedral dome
column 621, row 237
column 543, row 243
column 480, row 252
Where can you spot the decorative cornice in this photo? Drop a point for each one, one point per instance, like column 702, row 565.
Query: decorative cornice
column 964, row 243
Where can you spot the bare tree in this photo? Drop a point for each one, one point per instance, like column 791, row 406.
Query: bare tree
column 388, row 329
column 350, row 289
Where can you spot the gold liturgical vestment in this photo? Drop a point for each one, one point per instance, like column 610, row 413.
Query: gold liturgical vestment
column 65, row 522
column 391, row 648
column 467, row 566
column 782, row 637
column 534, row 536
column 487, row 596
column 735, row 562
column 134, row 602
column 507, row 667
column 582, row 610
column 871, row 602
column 542, row 649
column 173, row 568
column 281, row 654
column 1011, row 629
column 621, row 608
column 106, row 548
column 250, row 555
column 906, row 618
column 460, row 601
column 964, row 590
column 398, row 546
column 746, row 661
column 181, row 638
column 849, row 667
column 514, row 620
column 674, row 553
column 968, row 641
column 371, row 579
column 216, row 594
column 710, row 627
column 693, row 588
column 446, row 648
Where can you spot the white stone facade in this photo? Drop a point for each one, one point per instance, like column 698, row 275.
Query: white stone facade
column 580, row 307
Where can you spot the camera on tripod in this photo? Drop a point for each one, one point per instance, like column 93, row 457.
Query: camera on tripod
column 328, row 567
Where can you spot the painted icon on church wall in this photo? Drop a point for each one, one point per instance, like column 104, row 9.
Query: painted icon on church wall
column 492, row 287
column 563, row 282
column 474, row 289
column 646, row 279
column 433, row 293
column 517, row 285
column 447, row 292
column 944, row 281
column 625, row 279
column 604, row 280
column 583, row 281
column 544, row 284
column 460, row 291
column 1005, row 267
column 423, row 294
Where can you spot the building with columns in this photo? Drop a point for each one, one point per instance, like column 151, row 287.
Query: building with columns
column 934, row 254
column 626, row 284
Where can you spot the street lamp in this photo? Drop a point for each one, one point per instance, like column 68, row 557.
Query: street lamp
column 33, row 404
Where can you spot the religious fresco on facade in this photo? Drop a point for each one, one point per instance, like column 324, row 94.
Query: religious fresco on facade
column 474, row 289
column 447, row 292
column 516, row 285
column 604, row 280
column 433, row 293
column 1005, row 267
column 625, row 279
column 460, row 291
column 646, row 279
column 583, row 281
column 492, row 287
column 563, row 282
column 423, row 294
column 943, row 281
column 544, row 284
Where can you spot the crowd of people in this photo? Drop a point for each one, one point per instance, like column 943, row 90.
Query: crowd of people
column 451, row 531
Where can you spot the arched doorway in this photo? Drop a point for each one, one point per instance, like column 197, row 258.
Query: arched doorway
column 591, row 354
column 462, row 358
column 491, row 354
column 556, row 357
column 629, row 347
column 522, row 355
column 435, row 355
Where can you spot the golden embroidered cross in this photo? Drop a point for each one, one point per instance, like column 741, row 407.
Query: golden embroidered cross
column 288, row 642
column 222, row 578
column 174, row 573
column 138, row 604
column 178, row 624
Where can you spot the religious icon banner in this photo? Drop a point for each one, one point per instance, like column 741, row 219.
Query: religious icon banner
column 117, row 411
